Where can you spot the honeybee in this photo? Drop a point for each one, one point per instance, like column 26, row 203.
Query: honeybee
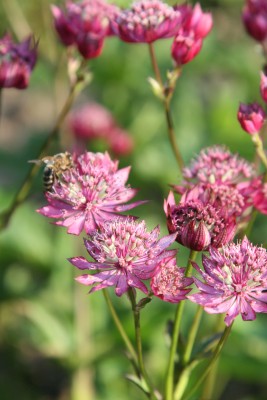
column 55, row 166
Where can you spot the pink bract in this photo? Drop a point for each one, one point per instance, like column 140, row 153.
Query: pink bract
column 125, row 254
column 16, row 62
column 147, row 21
column 234, row 281
column 169, row 282
column 92, row 192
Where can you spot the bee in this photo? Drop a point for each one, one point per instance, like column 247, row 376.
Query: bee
column 55, row 166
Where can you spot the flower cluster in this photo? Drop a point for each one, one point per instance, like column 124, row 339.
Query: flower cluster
column 16, row 62
column 235, row 281
column 92, row 121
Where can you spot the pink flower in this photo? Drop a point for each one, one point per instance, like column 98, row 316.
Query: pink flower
column 260, row 199
column 125, row 254
column 89, row 194
column 120, row 142
column 263, row 86
column 199, row 220
column 188, row 41
column 91, row 121
column 169, row 282
column 235, row 281
column 147, row 21
column 251, row 117
column 255, row 19
column 16, row 62
column 85, row 24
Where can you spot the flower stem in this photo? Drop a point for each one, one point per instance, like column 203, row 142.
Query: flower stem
column 175, row 336
column 120, row 328
column 166, row 100
column 25, row 187
column 143, row 373
column 213, row 359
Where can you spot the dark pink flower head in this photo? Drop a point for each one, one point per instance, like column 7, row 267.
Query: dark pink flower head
column 199, row 220
column 147, row 21
column 16, row 62
column 125, row 253
column 90, row 193
column 216, row 165
column 260, row 199
column 263, row 86
column 235, row 281
column 251, row 117
column 255, row 19
column 188, row 41
column 169, row 282
column 85, row 24
column 91, row 121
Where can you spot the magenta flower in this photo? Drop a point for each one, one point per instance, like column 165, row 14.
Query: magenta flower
column 120, row 142
column 235, row 281
column 169, row 282
column 85, row 24
column 16, row 62
column 125, row 253
column 199, row 220
column 260, row 199
column 147, row 21
column 89, row 194
column 189, row 38
column 263, row 86
column 255, row 19
column 251, row 117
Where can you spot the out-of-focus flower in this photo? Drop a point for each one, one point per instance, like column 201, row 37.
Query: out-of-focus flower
column 120, row 142
column 90, row 193
column 199, row 220
column 255, row 19
column 188, row 41
column 147, row 21
column 125, row 253
column 263, row 86
column 260, row 199
column 235, row 281
column 169, row 282
column 16, row 62
column 85, row 24
column 251, row 117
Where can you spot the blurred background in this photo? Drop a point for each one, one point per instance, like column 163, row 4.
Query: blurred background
column 55, row 341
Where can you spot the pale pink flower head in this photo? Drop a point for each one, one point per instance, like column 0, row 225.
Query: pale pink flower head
column 263, row 86
column 90, row 193
column 199, row 220
column 16, row 62
column 234, row 281
column 91, row 121
column 216, row 165
column 251, row 117
column 147, row 21
column 125, row 254
column 169, row 282
column 189, row 39
column 255, row 19
column 85, row 24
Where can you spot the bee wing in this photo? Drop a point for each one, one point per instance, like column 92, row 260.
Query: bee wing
column 38, row 162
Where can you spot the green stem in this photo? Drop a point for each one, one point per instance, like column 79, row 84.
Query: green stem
column 259, row 149
column 175, row 336
column 120, row 328
column 155, row 64
column 24, row 189
column 143, row 373
column 213, row 359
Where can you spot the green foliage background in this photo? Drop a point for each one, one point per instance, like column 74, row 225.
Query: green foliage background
column 55, row 341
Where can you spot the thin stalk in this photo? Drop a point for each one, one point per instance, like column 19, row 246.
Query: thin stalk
column 138, row 339
column 175, row 336
column 25, row 187
column 155, row 64
column 120, row 328
column 213, row 359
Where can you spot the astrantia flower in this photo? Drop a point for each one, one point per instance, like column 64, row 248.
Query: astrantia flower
column 263, row 86
column 235, row 281
column 90, row 193
column 169, row 282
column 125, row 253
column 147, row 21
column 199, row 220
column 255, row 19
column 251, row 117
column 16, row 62
column 260, row 199
column 85, row 24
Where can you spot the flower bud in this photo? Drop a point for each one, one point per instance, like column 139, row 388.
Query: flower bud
column 255, row 19
column 251, row 117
